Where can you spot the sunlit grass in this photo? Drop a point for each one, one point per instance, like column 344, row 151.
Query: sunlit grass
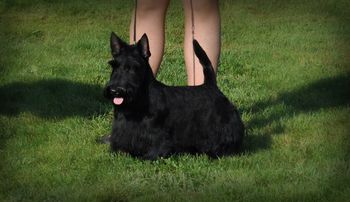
column 284, row 63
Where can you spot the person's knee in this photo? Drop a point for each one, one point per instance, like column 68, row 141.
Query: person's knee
column 147, row 8
column 206, row 8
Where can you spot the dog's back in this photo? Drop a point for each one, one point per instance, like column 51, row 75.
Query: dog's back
column 200, row 118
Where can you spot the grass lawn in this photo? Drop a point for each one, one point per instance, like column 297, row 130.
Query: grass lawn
column 286, row 65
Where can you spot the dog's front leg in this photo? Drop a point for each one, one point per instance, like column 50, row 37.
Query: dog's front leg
column 106, row 139
column 163, row 150
column 151, row 155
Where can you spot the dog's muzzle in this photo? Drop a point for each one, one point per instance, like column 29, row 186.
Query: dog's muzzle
column 118, row 91
column 117, row 94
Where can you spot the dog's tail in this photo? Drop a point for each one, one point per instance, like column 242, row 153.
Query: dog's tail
column 208, row 71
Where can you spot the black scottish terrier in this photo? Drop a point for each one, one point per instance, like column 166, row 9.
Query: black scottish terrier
column 154, row 120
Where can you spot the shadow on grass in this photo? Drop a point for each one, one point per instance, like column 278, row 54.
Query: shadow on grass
column 52, row 99
column 322, row 94
column 62, row 98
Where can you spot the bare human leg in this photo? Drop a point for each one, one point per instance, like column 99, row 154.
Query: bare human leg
column 150, row 19
column 206, row 31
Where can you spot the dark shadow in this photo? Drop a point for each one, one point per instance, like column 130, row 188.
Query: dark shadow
column 255, row 143
column 52, row 99
column 322, row 94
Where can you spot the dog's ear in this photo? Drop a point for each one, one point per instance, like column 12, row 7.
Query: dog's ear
column 143, row 46
column 117, row 45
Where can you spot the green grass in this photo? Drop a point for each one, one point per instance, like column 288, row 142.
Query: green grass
column 286, row 64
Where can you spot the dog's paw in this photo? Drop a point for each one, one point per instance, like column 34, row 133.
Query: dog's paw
column 104, row 139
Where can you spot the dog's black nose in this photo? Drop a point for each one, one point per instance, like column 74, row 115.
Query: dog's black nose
column 117, row 91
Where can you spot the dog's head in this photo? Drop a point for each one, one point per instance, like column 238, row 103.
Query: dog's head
column 130, row 70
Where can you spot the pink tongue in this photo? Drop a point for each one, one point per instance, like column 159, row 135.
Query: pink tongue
column 118, row 100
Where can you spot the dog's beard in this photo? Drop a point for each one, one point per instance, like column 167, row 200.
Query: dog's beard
column 125, row 100
column 134, row 91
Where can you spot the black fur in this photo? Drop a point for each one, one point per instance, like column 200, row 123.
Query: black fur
column 155, row 120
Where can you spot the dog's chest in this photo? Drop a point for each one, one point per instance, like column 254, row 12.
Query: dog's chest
column 134, row 134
